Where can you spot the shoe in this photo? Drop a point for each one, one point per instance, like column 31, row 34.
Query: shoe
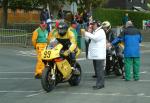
column 37, row 76
column 123, row 77
column 98, row 87
column 94, row 76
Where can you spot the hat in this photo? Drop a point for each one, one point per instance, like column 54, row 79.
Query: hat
column 96, row 22
column 129, row 23
column 73, row 22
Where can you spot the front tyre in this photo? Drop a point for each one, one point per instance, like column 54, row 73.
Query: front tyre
column 76, row 78
column 47, row 82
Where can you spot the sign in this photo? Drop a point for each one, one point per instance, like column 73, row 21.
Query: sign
column 74, row 7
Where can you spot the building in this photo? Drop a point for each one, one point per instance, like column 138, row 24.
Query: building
column 137, row 5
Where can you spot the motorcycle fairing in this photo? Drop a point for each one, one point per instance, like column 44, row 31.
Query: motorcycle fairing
column 65, row 68
column 50, row 54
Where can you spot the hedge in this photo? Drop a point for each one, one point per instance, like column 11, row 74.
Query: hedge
column 115, row 16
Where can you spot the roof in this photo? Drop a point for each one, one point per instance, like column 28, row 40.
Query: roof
column 137, row 8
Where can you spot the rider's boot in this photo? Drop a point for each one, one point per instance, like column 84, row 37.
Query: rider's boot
column 75, row 71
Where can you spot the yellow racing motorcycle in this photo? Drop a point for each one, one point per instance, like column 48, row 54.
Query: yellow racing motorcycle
column 58, row 68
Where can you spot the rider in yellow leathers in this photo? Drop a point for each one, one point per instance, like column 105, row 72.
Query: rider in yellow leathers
column 39, row 41
column 67, row 39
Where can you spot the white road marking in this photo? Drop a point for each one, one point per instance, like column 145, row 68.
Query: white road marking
column 106, row 94
column 145, row 51
column 140, row 94
column 35, row 94
column 30, row 53
column 13, row 91
column 144, row 80
column 81, row 59
column 144, row 72
column 16, row 72
column 19, row 78
column 95, row 94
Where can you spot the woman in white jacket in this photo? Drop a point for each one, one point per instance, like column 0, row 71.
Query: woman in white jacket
column 97, row 52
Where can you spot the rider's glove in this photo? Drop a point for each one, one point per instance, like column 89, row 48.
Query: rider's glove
column 67, row 52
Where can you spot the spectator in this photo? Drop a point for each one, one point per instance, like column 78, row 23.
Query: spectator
column 85, row 18
column 61, row 14
column 97, row 52
column 125, row 19
column 72, row 29
column 53, row 32
column 43, row 15
column 48, row 20
column 47, row 14
column 87, row 41
column 39, row 41
column 132, row 39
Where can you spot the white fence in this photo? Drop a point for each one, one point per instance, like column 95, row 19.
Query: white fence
column 14, row 37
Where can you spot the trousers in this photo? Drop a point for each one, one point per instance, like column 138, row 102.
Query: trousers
column 132, row 62
column 39, row 65
column 99, row 70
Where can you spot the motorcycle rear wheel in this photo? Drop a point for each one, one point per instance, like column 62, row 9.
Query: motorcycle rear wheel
column 47, row 83
column 117, row 69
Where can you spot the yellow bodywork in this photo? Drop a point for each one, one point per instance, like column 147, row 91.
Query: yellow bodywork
column 63, row 66
column 50, row 54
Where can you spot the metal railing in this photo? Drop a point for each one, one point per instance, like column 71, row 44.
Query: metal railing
column 14, row 37
column 29, row 27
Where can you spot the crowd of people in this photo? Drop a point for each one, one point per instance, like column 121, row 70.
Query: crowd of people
column 98, row 36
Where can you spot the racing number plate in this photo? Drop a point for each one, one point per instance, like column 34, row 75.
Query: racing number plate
column 47, row 54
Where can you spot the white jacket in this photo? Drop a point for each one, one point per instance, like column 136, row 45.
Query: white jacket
column 97, row 46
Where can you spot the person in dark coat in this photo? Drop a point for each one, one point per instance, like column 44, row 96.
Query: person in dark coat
column 43, row 15
column 132, row 38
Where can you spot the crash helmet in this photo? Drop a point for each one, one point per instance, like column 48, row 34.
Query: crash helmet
column 62, row 28
column 106, row 26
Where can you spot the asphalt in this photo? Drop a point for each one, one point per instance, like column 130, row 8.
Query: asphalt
column 17, row 84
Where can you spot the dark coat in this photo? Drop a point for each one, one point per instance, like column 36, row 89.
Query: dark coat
column 132, row 39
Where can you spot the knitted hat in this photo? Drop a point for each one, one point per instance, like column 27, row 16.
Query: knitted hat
column 129, row 23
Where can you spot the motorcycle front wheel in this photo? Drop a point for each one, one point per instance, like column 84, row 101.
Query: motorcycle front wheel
column 47, row 82
column 76, row 78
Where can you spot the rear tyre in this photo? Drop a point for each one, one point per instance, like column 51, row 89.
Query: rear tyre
column 117, row 69
column 47, row 82
column 76, row 78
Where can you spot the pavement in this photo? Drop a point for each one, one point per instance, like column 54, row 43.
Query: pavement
column 17, row 83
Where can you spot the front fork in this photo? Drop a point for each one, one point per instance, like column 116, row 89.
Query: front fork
column 53, row 72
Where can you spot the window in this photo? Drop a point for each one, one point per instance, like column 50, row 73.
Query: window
column 142, row 1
